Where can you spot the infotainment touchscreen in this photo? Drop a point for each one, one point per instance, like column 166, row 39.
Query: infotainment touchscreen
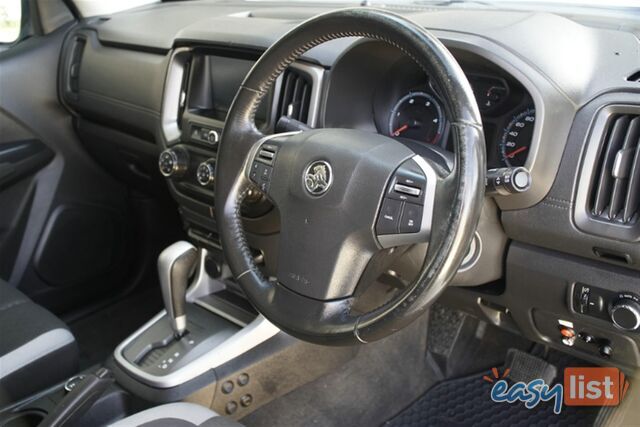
column 215, row 81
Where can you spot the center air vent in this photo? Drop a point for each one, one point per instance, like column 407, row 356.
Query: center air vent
column 615, row 195
column 295, row 95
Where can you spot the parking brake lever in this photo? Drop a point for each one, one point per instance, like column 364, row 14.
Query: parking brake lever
column 175, row 265
column 79, row 400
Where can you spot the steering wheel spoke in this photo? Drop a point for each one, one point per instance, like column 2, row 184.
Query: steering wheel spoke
column 263, row 161
column 406, row 212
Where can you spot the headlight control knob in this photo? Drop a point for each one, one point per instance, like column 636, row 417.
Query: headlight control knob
column 625, row 312
column 173, row 162
column 206, row 172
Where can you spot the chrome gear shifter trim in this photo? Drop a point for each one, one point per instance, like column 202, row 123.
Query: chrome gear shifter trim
column 239, row 343
column 175, row 264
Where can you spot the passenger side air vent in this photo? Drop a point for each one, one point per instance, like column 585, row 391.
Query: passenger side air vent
column 295, row 95
column 74, row 65
column 615, row 195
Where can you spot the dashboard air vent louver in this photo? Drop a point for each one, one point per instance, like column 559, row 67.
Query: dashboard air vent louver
column 74, row 65
column 615, row 194
column 295, row 95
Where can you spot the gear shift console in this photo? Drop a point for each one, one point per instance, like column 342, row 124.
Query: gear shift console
column 175, row 265
column 199, row 330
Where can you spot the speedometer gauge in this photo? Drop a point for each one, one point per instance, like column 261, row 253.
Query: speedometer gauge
column 516, row 138
column 417, row 116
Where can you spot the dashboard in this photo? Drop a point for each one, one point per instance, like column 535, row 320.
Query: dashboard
column 550, row 88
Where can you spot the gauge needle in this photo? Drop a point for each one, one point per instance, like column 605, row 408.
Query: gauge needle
column 512, row 154
column 401, row 129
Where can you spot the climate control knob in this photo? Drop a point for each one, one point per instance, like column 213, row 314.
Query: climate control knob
column 625, row 313
column 205, row 174
column 173, row 162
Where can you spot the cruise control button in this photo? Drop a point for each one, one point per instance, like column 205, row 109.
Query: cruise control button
column 411, row 191
column 266, row 173
column 411, row 218
column 389, row 216
column 256, row 172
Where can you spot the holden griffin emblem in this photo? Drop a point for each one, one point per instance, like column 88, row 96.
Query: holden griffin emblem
column 318, row 177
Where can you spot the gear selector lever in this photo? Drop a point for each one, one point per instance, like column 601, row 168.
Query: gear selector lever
column 175, row 265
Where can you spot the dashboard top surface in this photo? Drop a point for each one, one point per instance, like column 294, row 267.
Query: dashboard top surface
column 584, row 59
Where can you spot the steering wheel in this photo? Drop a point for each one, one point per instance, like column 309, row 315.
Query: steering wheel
column 346, row 197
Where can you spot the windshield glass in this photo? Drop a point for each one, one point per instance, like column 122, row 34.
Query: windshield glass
column 592, row 3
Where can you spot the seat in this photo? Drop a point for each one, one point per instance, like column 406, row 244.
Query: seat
column 179, row 414
column 37, row 350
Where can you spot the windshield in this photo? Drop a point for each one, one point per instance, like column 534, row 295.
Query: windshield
column 592, row 3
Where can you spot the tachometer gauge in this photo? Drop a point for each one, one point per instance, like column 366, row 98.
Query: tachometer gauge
column 516, row 138
column 417, row 116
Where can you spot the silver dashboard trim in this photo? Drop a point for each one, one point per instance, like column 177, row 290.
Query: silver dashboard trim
column 203, row 284
column 172, row 97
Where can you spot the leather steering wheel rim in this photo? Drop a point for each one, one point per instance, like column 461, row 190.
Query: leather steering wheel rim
column 331, row 321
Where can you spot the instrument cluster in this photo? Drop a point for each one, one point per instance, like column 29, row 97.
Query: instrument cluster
column 409, row 107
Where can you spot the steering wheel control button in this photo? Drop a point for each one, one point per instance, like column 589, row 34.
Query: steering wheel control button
column 267, row 154
column 411, row 219
column 405, row 189
column 261, row 175
column 408, row 184
column 389, row 217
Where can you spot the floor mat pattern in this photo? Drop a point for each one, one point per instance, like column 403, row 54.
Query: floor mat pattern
column 467, row 402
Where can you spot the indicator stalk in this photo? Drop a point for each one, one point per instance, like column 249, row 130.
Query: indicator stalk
column 507, row 181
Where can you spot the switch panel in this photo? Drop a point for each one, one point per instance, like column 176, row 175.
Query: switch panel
column 403, row 203
column 620, row 308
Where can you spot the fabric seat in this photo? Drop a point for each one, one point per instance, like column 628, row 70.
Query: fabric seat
column 177, row 415
column 37, row 350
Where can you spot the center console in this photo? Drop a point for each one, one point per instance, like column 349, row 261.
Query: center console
column 200, row 87
column 200, row 329
column 209, row 346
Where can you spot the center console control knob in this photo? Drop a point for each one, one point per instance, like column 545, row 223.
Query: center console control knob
column 206, row 172
column 173, row 162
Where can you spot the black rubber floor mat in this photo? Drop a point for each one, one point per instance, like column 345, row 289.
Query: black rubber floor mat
column 467, row 402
